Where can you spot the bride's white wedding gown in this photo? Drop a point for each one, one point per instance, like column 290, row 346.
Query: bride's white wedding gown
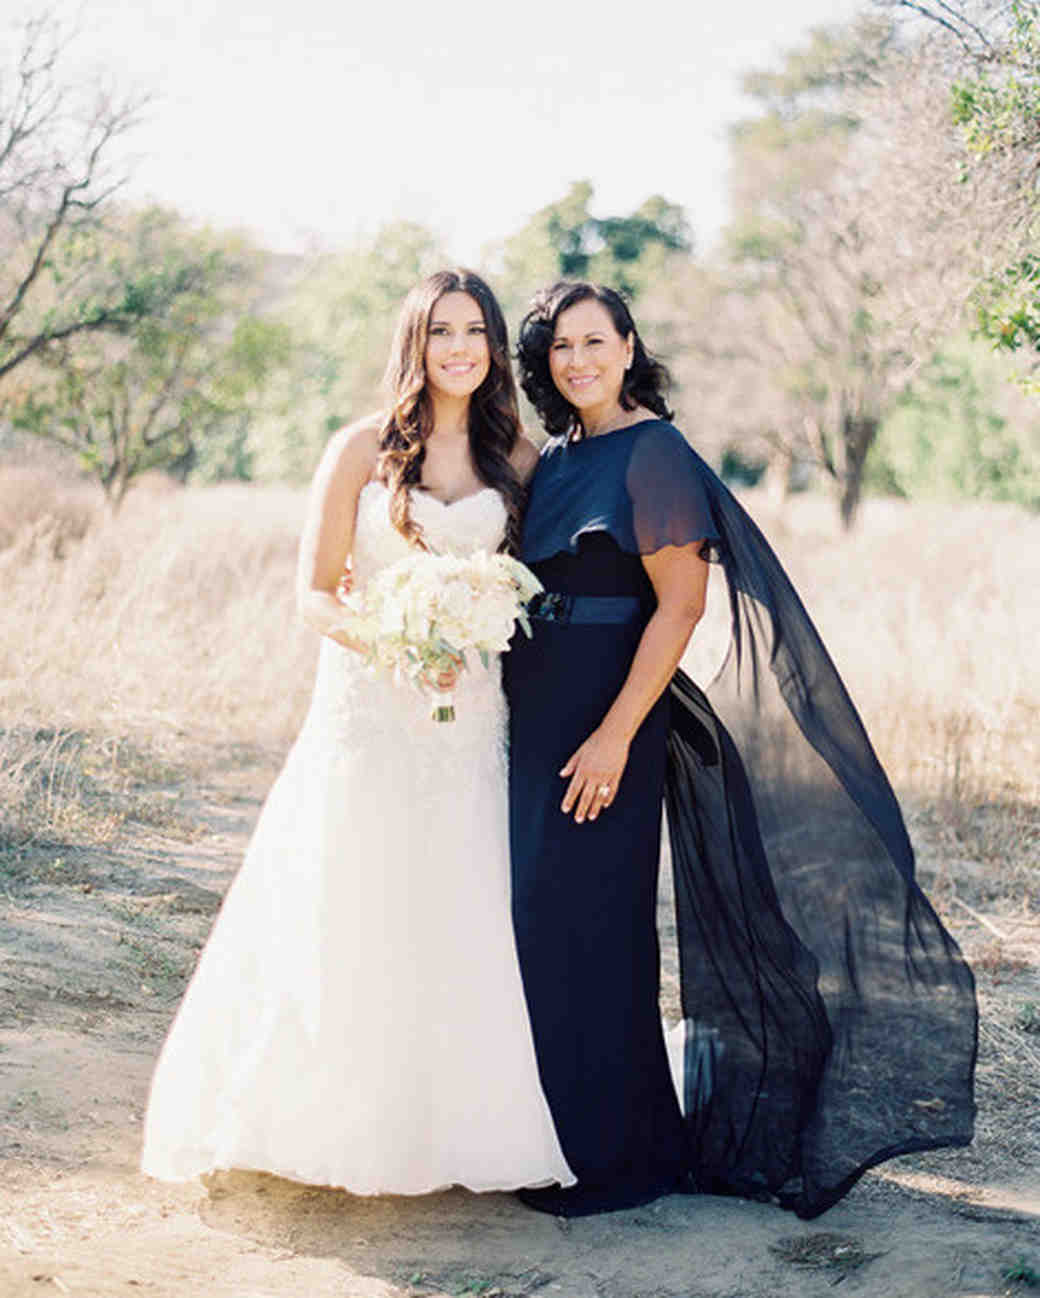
column 357, row 1017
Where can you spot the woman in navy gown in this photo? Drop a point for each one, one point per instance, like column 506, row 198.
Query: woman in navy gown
column 829, row 1020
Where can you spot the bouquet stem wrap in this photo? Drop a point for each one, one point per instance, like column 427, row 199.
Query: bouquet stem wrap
column 444, row 707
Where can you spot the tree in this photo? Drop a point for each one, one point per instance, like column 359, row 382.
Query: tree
column 852, row 251
column 961, row 430
column 998, row 109
column 965, row 22
column 565, row 241
column 174, row 388
column 340, row 309
column 994, row 94
column 56, row 184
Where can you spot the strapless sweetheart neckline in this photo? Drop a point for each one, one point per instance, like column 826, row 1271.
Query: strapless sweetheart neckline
column 421, row 493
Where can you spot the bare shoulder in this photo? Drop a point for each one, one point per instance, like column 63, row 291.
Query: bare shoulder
column 524, row 458
column 354, row 449
column 357, row 443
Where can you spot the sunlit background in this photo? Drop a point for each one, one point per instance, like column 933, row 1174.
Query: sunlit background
column 313, row 121
column 826, row 216
column 823, row 213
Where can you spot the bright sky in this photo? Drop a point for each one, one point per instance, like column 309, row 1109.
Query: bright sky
column 304, row 119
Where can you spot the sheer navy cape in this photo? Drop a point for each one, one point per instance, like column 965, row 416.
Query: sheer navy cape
column 830, row 1019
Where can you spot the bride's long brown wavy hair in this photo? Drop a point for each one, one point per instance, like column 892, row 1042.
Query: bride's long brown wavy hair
column 494, row 421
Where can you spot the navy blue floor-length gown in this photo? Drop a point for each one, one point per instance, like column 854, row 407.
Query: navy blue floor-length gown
column 830, row 1020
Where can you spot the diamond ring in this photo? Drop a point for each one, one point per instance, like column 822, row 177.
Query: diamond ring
column 604, row 790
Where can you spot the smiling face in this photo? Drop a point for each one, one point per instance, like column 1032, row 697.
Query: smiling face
column 457, row 356
column 588, row 357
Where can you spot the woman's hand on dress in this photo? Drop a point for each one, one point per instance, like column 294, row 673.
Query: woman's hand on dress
column 595, row 771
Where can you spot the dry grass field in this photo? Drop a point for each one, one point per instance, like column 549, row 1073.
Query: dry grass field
column 168, row 636
column 152, row 675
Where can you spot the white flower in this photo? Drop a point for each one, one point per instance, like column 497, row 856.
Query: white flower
column 422, row 612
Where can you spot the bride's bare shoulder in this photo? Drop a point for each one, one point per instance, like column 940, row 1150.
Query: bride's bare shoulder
column 355, row 447
column 347, row 463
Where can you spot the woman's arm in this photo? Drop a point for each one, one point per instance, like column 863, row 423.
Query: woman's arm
column 680, row 580
column 328, row 530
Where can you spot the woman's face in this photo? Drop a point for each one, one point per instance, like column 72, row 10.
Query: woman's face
column 457, row 353
column 588, row 357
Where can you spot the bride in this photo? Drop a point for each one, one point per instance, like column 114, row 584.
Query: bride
column 357, row 1017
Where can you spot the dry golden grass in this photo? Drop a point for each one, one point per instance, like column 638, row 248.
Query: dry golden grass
column 175, row 619
column 39, row 510
column 139, row 649
column 170, row 631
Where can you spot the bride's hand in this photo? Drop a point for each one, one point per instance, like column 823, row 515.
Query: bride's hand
column 445, row 681
column 595, row 771
column 347, row 642
column 343, row 588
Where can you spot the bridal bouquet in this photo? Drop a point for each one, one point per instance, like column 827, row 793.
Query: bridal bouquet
column 422, row 615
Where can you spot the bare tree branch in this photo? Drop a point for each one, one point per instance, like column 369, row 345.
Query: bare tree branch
column 925, row 12
column 102, row 320
column 54, row 145
column 963, row 18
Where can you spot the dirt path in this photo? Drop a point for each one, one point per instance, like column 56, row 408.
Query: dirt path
column 94, row 950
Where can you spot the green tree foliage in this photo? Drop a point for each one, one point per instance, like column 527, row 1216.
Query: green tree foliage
column 998, row 104
column 257, row 356
column 565, row 241
column 962, row 431
column 174, row 390
column 998, row 110
column 1008, row 309
column 995, row 102
column 340, row 310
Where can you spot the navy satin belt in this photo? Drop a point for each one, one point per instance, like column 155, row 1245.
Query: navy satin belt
column 552, row 606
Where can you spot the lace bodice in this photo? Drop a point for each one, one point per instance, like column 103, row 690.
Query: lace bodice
column 476, row 522
column 353, row 708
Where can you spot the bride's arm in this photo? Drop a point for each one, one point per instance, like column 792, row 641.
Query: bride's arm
column 328, row 529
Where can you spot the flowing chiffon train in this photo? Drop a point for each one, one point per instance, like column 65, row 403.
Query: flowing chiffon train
column 829, row 1020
